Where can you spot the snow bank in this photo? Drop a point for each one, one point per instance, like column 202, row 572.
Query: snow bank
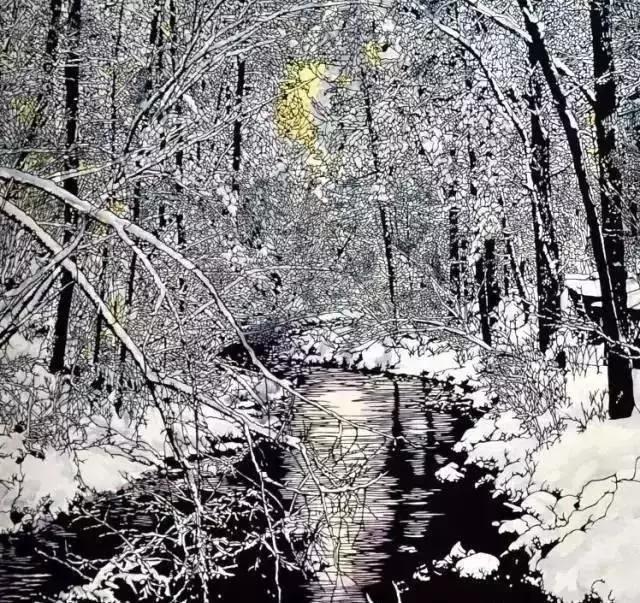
column 577, row 491
column 408, row 356
column 603, row 449
column 449, row 473
column 602, row 558
column 479, row 566
column 104, row 453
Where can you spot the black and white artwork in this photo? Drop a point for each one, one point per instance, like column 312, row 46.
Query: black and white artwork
column 319, row 301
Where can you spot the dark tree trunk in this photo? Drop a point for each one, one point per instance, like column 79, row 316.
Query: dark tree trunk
column 155, row 44
column 483, row 304
column 179, row 155
column 546, row 247
column 491, row 281
column 128, row 303
column 99, row 320
column 508, row 246
column 382, row 210
column 114, row 130
column 237, row 126
column 511, row 264
column 620, row 381
column 488, row 288
column 455, row 284
column 71, row 163
column 465, row 278
column 621, row 401
column 388, row 254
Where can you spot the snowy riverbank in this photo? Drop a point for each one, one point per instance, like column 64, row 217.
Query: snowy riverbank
column 84, row 455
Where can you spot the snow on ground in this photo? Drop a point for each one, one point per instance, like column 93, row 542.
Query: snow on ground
column 103, row 451
column 43, row 482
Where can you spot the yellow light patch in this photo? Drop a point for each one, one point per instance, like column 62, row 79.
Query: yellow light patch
column 343, row 80
column 373, row 53
column 25, row 108
column 294, row 109
column 118, row 207
column 166, row 29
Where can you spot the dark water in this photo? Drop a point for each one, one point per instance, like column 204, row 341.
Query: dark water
column 32, row 566
column 407, row 517
column 388, row 526
column 371, row 540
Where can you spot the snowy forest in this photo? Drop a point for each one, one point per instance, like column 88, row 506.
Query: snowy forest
column 326, row 300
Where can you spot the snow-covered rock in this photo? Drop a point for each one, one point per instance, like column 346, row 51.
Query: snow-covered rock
column 540, row 505
column 456, row 553
column 449, row 473
column 479, row 566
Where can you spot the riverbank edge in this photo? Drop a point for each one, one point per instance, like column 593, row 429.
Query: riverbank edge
column 40, row 483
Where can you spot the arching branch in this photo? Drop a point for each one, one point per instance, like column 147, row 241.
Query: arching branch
column 126, row 229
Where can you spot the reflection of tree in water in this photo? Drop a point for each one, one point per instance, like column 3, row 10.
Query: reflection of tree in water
column 431, row 445
column 398, row 461
column 410, row 494
column 398, row 466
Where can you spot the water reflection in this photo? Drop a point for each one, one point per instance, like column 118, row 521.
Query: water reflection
column 382, row 540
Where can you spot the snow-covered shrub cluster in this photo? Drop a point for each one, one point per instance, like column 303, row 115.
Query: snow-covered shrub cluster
column 572, row 475
column 531, row 386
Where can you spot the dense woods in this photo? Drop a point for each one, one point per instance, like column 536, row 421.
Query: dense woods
column 197, row 193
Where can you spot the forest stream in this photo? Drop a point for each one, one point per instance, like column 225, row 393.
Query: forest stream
column 405, row 519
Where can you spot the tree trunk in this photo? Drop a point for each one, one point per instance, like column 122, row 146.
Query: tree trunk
column 491, row 282
column 465, row 278
column 132, row 267
column 113, row 133
column 382, row 210
column 483, row 303
column 155, row 43
column 488, row 288
column 511, row 264
column 621, row 401
column 237, row 126
column 455, row 285
column 546, row 247
column 71, row 163
column 619, row 370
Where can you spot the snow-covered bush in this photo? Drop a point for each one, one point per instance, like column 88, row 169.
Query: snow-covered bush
column 533, row 387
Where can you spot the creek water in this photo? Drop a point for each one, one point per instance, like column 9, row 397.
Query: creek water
column 373, row 539
column 406, row 518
